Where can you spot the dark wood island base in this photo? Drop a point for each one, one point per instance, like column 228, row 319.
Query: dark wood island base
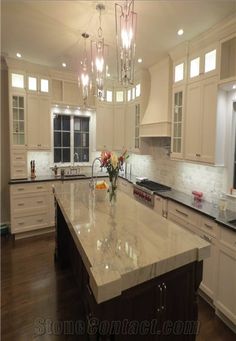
column 164, row 308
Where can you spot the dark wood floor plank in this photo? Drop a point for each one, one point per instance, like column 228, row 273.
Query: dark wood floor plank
column 33, row 287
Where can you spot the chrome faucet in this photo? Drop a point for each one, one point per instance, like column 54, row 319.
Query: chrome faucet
column 91, row 183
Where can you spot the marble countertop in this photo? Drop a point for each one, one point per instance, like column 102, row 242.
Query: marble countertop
column 125, row 244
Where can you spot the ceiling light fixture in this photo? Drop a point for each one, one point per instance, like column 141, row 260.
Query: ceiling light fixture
column 234, row 86
column 140, row 60
column 18, row 55
column 126, row 20
column 99, row 52
column 180, row 32
column 84, row 79
column 63, row 64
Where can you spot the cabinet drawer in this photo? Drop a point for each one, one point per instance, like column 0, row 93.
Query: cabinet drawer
column 227, row 237
column 29, row 188
column 18, row 157
column 18, row 172
column 208, row 225
column 179, row 221
column 183, row 212
column 159, row 205
column 125, row 186
column 29, row 222
column 22, row 203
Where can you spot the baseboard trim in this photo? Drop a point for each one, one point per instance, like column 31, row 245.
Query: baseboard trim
column 217, row 312
column 33, row 233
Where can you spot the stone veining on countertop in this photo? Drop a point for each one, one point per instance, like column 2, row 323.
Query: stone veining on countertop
column 124, row 245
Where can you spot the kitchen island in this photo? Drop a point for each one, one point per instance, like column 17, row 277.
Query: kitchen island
column 137, row 272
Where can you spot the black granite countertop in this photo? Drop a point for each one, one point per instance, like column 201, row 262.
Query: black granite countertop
column 81, row 176
column 204, row 207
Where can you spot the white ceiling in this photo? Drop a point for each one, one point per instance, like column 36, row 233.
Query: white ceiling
column 49, row 32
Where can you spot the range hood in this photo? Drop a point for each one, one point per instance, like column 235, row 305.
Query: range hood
column 156, row 121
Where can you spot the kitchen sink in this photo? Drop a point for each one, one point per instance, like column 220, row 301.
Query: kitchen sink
column 232, row 222
column 74, row 175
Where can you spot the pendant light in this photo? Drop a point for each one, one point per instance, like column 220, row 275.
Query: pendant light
column 84, row 77
column 99, row 52
column 126, row 20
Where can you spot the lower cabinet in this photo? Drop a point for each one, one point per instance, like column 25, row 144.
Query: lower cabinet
column 31, row 207
column 225, row 300
column 125, row 186
column 219, row 270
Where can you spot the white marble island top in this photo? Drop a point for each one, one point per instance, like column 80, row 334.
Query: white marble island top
column 126, row 244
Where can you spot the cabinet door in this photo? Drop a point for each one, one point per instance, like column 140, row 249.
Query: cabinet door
column 193, row 122
column 208, row 284
column 104, row 127
column 17, row 125
column 208, row 135
column 129, row 127
column 33, row 122
column 226, row 284
column 44, row 123
column 119, row 127
column 177, row 123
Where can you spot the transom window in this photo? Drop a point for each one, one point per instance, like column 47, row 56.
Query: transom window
column 71, row 138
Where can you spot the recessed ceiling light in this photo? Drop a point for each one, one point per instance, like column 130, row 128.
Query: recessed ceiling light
column 140, row 60
column 63, row 64
column 180, row 32
column 18, row 55
column 234, row 86
column 67, row 106
column 108, row 75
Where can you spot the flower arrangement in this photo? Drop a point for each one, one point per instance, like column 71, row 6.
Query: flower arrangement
column 113, row 164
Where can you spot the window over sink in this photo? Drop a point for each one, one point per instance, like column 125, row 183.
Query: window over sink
column 70, row 138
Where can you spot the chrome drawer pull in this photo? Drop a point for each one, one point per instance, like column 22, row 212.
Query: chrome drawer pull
column 209, row 240
column 21, row 204
column 39, row 187
column 180, row 212
column 19, row 170
column 39, row 202
column 21, row 223
column 39, row 220
column 19, row 158
column 20, row 189
column 209, row 226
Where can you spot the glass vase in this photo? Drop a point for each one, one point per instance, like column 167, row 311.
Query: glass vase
column 113, row 190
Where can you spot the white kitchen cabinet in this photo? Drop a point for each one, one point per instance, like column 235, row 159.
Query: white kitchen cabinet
column 228, row 59
column 125, row 186
column 200, row 121
column 104, row 126
column 30, row 207
column 129, row 126
column 226, row 280
column 204, row 63
column 38, row 122
column 178, row 107
column 202, row 226
column 119, row 127
column 208, row 284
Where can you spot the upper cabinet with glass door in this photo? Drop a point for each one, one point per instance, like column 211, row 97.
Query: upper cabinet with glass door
column 203, row 64
column 17, row 81
column 18, row 120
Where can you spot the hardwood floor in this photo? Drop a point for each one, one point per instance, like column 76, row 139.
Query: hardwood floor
column 35, row 291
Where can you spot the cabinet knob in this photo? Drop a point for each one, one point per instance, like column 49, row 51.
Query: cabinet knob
column 198, row 154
